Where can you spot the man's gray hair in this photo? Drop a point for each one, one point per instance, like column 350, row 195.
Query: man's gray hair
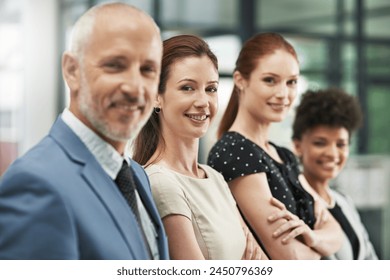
column 81, row 32
column 83, row 27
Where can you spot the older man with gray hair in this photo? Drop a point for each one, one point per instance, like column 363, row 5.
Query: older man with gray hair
column 76, row 195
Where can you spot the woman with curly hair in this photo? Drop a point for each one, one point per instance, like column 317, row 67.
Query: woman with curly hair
column 322, row 129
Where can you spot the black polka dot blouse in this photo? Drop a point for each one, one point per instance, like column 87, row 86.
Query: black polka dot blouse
column 234, row 156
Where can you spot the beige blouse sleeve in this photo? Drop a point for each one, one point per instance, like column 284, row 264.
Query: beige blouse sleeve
column 170, row 198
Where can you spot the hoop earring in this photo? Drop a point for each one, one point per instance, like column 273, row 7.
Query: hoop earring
column 157, row 110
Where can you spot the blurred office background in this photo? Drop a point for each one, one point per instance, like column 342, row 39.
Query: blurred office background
column 343, row 43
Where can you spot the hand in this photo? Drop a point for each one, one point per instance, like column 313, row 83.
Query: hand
column 282, row 213
column 320, row 209
column 252, row 250
column 293, row 226
column 321, row 213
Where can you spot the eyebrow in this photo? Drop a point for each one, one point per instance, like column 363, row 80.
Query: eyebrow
column 150, row 61
column 325, row 138
column 193, row 81
column 276, row 75
column 110, row 57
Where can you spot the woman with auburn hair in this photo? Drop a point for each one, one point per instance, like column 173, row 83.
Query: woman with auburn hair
column 322, row 129
column 265, row 85
column 199, row 214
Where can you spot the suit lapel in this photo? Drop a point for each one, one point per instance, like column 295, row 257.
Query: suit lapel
column 145, row 194
column 146, row 199
column 102, row 185
column 115, row 203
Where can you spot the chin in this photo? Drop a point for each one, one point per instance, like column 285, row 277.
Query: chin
column 277, row 119
column 330, row 176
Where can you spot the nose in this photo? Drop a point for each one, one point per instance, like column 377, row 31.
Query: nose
column 282, row 91
column 332, row 151
column 201, row 99
column 133, row 83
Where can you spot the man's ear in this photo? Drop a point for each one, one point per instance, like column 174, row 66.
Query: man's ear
column 71, row 72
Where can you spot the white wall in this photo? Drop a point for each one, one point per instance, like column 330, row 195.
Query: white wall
column 41, row 70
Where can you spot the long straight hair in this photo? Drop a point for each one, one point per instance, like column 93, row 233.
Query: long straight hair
column 174, row 50
column 253, row 50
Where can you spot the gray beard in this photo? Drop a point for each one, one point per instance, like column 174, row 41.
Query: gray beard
column 97, row 121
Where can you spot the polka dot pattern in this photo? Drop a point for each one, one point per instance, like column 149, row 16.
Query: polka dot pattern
column 234, row 156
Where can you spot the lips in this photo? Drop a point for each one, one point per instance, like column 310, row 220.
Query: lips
column 278, row 106
column 127, row 107
column 330, row 165
column 128, row 103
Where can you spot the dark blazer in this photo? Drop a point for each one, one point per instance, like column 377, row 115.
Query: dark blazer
column 56, row 202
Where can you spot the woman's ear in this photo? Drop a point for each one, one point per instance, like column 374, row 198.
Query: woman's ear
column 157, row 102
column 239, row 80
column 297, row 148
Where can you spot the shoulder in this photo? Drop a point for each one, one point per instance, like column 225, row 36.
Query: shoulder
column 339, row 195
column 234, row 156
column 159, row 173
column 286, row 153
column 230, row 142
column 168, row 192
column 213, row 174
column 39, row 164
column 163, row 182
column 342, row 198
column 289, row 158
column 138, row 169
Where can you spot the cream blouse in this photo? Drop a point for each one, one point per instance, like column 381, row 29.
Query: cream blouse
column 209, row 205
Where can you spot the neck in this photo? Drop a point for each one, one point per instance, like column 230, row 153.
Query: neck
column 320, row 186
column 251, row 129
column 120, row 146
column 180, row 155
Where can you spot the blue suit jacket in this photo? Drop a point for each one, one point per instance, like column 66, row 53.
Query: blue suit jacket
column 56, row 202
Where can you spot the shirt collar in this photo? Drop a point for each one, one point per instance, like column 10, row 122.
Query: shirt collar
column 109, row 158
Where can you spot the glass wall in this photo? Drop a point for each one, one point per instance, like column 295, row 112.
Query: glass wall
column 11, row 80
column 343, row 43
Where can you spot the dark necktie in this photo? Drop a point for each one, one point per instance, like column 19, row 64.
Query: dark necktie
column 126, row 185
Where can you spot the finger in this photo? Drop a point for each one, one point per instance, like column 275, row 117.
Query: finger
column 318, row 221
column 278, row 215
column 321, row 218
column 317, row 208
column 249, row 247
column 257, row 254
column 287, row 227
column 277, row 203
column 246, row 231
column 325, row 216
column 293, row 234
column 294, row 217
column 282, row 214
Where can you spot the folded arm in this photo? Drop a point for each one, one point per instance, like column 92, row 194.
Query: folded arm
column 327, row 229
column 253, row 197
column 253, row 250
